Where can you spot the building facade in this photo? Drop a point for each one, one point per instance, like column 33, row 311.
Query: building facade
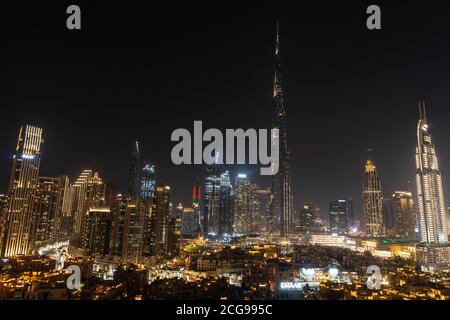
column 23, row 184
column 338, row 216
column 430, row 194
column 405, row 212
column 282, row 203
column 372, row 201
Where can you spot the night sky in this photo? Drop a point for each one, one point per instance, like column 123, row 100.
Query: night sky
column 139, row 72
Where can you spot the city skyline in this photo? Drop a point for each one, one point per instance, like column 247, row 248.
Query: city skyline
column 352, row 85
column 102, row 203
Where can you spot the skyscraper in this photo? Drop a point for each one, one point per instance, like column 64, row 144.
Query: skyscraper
column 97, row 231
column 261, row 210
column 119, row 213
column 243, row 204
column 430, row 194
column 22, row 188
column 282, row 203
column 147, row 180
column 189, row 222
column 338, row 216
column 134, row 173
column 405, row 213
column 147, row 198
column 372, row 201
column 87, row 191
column 3, row 208
column 211, row 203
column 197, row 206
column 160, row 220
column 48, row 208
column 389, row 216
column 132, row 232
column 350, row 213
column 306, row 218
column 226, row 205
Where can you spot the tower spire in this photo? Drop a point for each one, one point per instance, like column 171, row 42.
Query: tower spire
column 277, row 47
column 422, row 110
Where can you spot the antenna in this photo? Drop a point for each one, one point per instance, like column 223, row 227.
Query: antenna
column 422, row 110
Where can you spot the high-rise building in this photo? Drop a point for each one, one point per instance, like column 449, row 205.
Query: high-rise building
column 127, row 229
column 261, row 210
column 119, row 212
column 160, row 220
column 148, row 181
column 132, row 232
column 243, row 204
column 448, row 222
column 189, row 222
column 173, row 236
column 389, row 216
column 430, row 194
column 306, row 218
column 97, row 231
column 405, row 212
column 282, row 202
column 211, row 202
column 3, row 203
column 134, row 173
column 3, row 208
column 350, row 213
column 147, row 197
column 338, row 210
column 197, row 205
column 65, row 215
column 372, row 201
column 226, row 205
column 22, row 188
column 87, row 191
column 48, row 208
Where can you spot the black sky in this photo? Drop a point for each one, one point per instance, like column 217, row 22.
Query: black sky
column 139, row 72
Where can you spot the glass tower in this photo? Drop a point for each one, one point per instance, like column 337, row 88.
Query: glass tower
column 430, row 194
column 22, row 188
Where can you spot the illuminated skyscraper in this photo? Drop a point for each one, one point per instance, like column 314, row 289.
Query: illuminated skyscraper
column 226, row 205
column 119, row 213
column 261, row 210
column 3, row 209
column 243, row 204
column 197, row 205
column 173, row 236
column 132, row 233
column 22, row 188
column 87, row 191
column 134, row 173
column 3, row 203
column 338, row 216
column 147, row 198
column 405, row 213
column 189, row 222
column 372, row 201
column 48, row 208
column 147, row 180
column 210, row 218
column 160, row 220
column 97, row 231
column 430, row 194
column 282, row 203
column 306, row 218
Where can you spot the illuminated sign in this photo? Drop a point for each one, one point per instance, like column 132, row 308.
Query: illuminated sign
column 291, row 286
